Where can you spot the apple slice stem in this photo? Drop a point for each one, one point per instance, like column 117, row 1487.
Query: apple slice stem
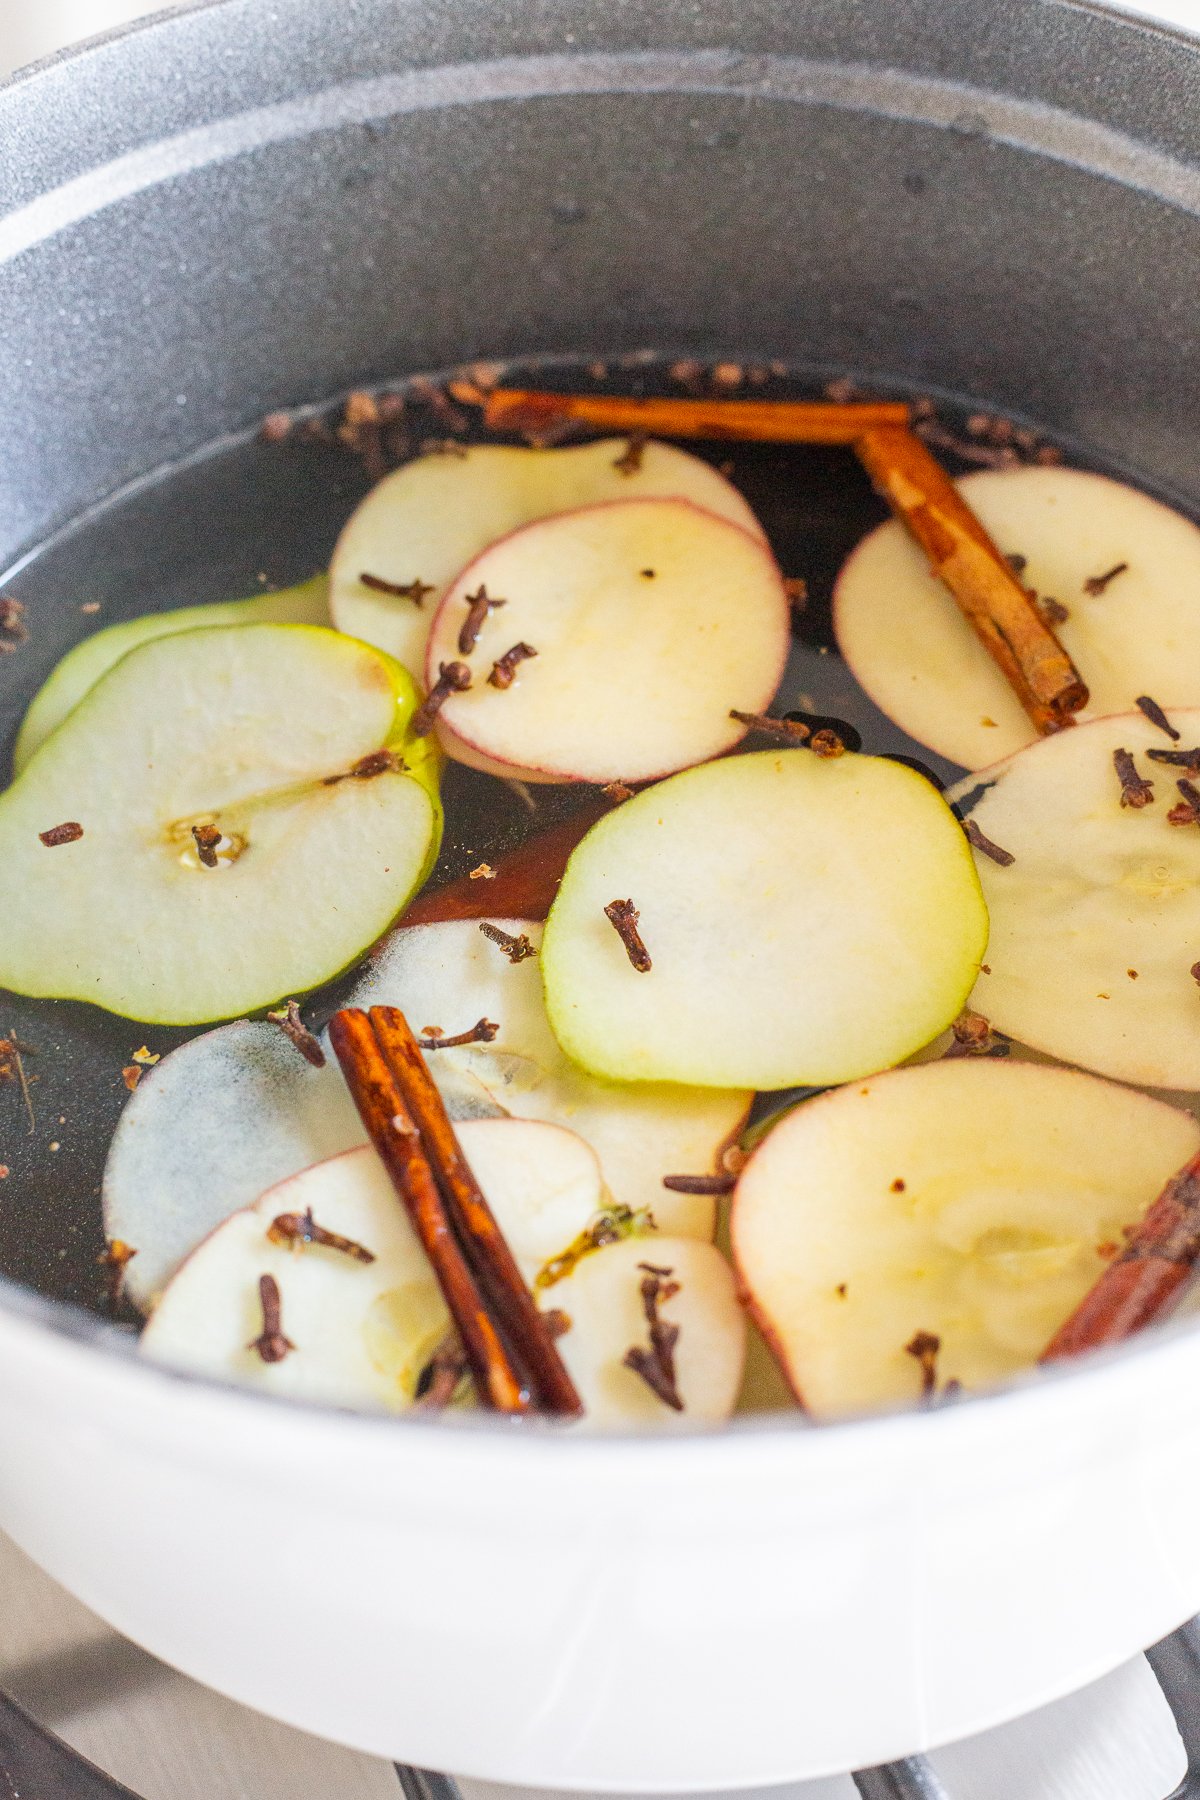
column 1144, row 1281
column 999, row 609
column 755, row 421
column 510, row 1350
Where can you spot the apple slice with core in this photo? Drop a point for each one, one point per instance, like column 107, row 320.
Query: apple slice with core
column 82, row 667
column 630, row 630
column 1124, row 568
column 970, row 1202
column 1096, row 917
column 429, row 519
column 807, row 920
column 228, row 816
column 245, row 1084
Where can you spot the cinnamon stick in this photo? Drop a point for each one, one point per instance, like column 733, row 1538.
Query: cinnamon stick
column 523, row 885
column 1144, row 1281
column 757, row 421
column 393, row 1132
column 508, row 1345
column 963, row 556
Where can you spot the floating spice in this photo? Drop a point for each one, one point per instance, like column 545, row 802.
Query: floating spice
column 1135, row 790
column 985, row 846
column 608, row 1227
column 1053, row 611
column 297, row 1033
column 656, row 1364
column 416, row 591
column 504, row 669
column 973, row 1036
column 482, row 1032
column 298, row 1229
column 796, row 589
column 701, row 1184
column 115, row 1258
column 13, row 629
column 479, row 605
column 630, row 460
column 483, row 872
column 271, row 1344
column 453, row 678
column 617, row 791
column 1156, row 715
column 1096, row 584
column 827, row 743
column 68, row 833
column 131, row 1074
column 784, row 731
column 623, row 915
column 515, row 948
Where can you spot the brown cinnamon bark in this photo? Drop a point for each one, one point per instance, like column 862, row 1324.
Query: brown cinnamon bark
column 394, row 1134
column 757, row 421
column 1145, row 1280
column 963, row 556
column 524, row 883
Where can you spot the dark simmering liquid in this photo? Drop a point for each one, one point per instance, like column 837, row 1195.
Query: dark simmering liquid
column 249, row 516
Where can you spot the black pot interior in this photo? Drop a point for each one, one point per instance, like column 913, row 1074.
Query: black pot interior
column 996, row 205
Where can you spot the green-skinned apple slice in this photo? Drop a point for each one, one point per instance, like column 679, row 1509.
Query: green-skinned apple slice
column 428, row 520
column 291, row 744
column 807, row 920
column 245, row 1084
column 640, row 624
column 605, row 1300
column 82, row 667
column 1096, row 919
column 1125, row 568
column 971, row 1201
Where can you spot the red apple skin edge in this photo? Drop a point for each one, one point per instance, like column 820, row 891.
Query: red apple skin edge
column 466, row 578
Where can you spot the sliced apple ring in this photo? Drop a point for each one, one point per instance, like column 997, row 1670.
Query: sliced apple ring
column 230, row 815
column 244, row 1084
column 81, row 668
column 1125, row 567
column 638, row 625
column 363, row 1331
column 1096, row 919
column 969, row 1202
column 428, row 520
column 807, row 920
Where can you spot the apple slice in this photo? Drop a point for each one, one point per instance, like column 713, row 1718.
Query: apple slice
column 82, row 667
column 605, row 1301
column 245, row 1085
column 429, row 519
column 1125, row 567
column 640, row 624
column 807, row 919
column 291, row 744
column 973, row 1201
column 1096, row 919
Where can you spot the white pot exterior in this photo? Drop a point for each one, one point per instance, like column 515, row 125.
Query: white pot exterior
column 724, row 1611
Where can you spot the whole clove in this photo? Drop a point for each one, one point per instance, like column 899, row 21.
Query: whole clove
column 1136, row 791
column 206, row 838
column 479, row 605
column 297, row 1033
column 784, row 731
column 1187, row 810
column 453, row 678
column 630, row 460
column 416, row 591
column 981, row 842
column 271, row 1344
column 515, row 948
column 68, row 833
column 925, row 1347
column 504, row 669
column 482, row 1032
column 1156, row 715
column 298, row 1229
column 656, row 1364
column 623, row 915
column 701, row 1184
column 1096, row 584
column 1177, row 759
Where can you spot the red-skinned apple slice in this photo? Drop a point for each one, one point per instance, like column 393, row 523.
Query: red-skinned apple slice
column 970, row 1201
column 807, row 920
column 1125, row 567
column 430, row 518
column 1096, row 919
column 641, row 624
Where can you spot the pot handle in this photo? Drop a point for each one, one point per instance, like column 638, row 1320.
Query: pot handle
column 34, row 1762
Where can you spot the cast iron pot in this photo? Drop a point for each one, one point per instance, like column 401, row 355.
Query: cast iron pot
column 259, row 202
